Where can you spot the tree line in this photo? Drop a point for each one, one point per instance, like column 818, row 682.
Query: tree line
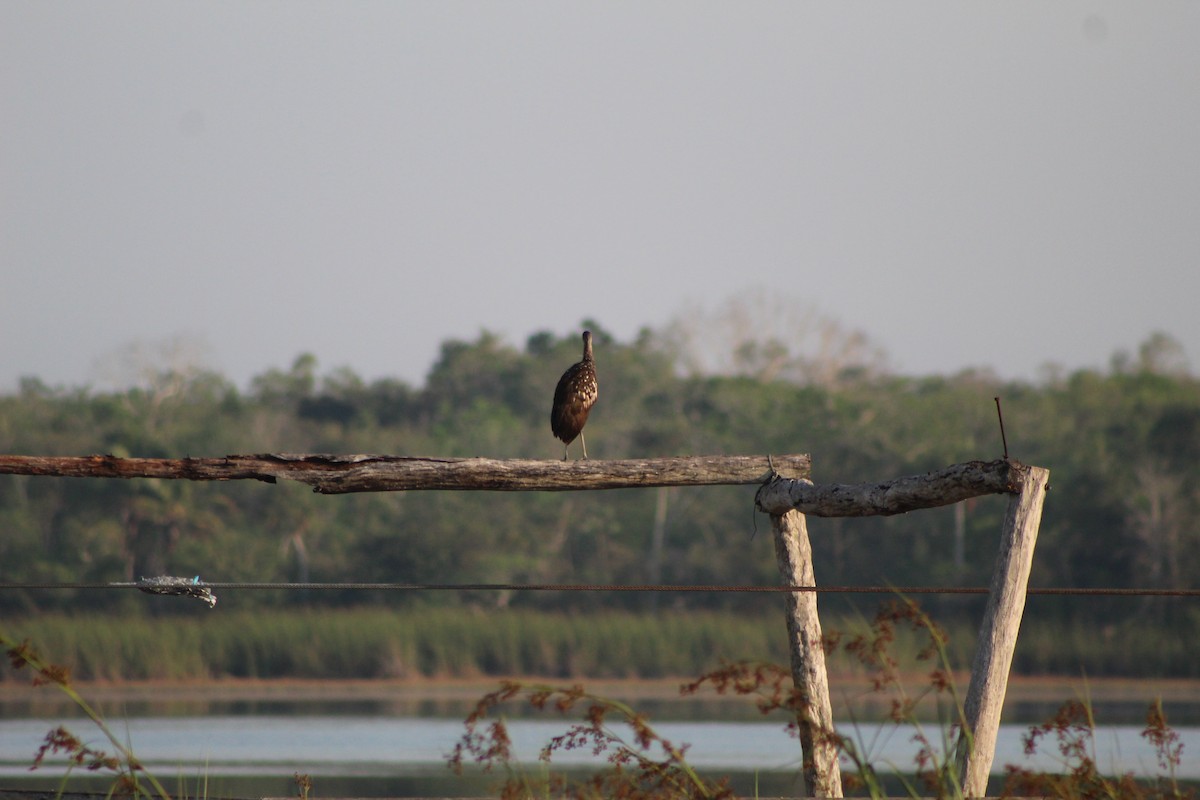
column 1122, row 445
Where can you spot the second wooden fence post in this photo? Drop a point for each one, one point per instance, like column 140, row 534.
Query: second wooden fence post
column 822, row 774
column 998, row 634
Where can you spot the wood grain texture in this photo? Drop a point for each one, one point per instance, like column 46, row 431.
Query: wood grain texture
column 998, row 634
column 340, row 474
column 793, row 553
column 939, row 488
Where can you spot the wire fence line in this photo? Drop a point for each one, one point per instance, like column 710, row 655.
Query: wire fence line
column 609, row 587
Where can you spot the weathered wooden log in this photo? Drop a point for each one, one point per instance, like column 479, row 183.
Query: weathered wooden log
column 339, row 474
column 793, row 553
column 998, row 633
column 940, row 488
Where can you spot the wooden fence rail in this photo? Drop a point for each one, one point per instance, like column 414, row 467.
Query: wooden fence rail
column 339, row 474
column 942, row 487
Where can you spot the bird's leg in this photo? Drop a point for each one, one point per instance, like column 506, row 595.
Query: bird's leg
column 566, row 451
column 584, row 443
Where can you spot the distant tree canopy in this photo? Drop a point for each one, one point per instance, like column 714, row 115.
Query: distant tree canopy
column 1123, row 448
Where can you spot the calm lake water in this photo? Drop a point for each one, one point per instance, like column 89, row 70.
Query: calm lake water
column 371, row 751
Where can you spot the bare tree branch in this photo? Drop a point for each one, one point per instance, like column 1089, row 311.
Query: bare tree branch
column 338, row 474
column 940, row 488
column 784, row 489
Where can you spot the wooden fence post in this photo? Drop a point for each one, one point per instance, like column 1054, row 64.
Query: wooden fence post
column 998, row 634
column 822, row 773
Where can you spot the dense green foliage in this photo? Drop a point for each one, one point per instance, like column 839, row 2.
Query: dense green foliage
column 1123, row 448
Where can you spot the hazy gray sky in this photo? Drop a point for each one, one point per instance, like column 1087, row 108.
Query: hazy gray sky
column 983, row 184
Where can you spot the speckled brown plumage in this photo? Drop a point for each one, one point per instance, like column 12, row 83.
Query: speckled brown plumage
column 573, row 399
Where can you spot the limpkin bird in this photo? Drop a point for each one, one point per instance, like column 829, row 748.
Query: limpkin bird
column 573, row 399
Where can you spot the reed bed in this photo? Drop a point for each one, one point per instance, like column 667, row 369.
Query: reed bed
column 378, row 643
column 366, row 643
